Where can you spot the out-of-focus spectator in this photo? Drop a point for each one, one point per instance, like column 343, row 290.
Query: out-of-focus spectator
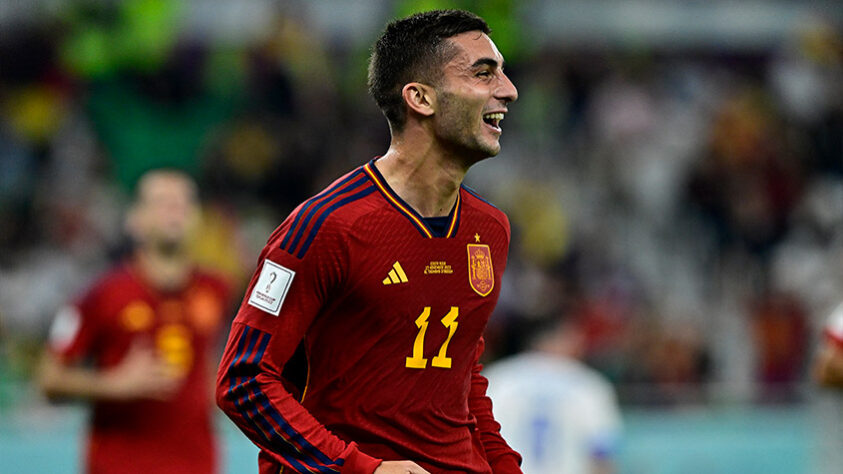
column 780, row 329
column 140, row 343
column 749, row 182
column 561, row 415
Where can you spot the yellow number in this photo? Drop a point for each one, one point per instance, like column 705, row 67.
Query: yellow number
column 417, row 361
column 175, row 348
column 450, row 322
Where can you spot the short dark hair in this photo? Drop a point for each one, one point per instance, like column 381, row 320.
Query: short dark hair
column 412, row 49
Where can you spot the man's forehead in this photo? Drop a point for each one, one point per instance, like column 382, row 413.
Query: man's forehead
column 165, row 184
column 473, row 45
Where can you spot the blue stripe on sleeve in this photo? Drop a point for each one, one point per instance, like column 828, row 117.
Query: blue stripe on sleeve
column 316, row 208
column 255, row 407
column 327, row 212
column 313, row 200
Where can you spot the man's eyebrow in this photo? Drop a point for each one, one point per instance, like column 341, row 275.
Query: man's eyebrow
column 487, row 62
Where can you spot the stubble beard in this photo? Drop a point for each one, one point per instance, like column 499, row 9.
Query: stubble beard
column 456, row 129
column 167, row 246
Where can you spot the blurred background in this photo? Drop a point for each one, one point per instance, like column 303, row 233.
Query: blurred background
column 673, row 171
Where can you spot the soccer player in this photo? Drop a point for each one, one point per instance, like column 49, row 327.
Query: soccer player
column 385, row 280
column 139, row 344
column 560, row 414
column 828, row 364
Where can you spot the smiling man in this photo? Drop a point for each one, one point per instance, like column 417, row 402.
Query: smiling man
column 378, row 289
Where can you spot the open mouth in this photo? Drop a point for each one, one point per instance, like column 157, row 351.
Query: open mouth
column 494, row 120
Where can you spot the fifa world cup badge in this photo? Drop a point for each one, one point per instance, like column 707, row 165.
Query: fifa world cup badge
column 481, row 276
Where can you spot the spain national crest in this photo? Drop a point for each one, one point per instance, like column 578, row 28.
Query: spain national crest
column 481, row 276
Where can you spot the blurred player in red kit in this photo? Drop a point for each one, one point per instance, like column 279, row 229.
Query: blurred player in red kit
column 139, row 344
column 382, row 284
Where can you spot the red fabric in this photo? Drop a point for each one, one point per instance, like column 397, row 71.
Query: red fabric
column 362, row 403
column 834, row 338
column 151, row 436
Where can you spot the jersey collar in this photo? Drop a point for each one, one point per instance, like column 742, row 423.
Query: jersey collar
column 414, row 217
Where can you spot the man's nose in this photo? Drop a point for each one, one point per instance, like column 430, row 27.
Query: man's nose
column 507, row 91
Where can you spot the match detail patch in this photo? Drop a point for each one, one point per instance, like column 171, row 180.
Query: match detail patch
column 271, row 288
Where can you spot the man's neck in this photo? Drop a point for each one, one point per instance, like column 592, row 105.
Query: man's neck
column 163, row 272
column 422, row 175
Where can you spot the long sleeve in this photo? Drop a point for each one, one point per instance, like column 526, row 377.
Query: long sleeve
column 502, row 458
column 285, row 295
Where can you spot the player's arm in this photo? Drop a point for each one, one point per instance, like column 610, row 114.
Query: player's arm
column 140, row 375
column 62, row 372
column 502, row 458
column 603, row 428
column 285, row 295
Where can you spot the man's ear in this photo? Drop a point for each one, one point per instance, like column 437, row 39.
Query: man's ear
column 420, row 98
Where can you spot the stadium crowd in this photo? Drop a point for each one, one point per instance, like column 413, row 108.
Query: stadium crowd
column 685, row 205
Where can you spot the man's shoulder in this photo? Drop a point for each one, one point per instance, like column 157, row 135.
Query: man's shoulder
column 330, row 213
column 476, row 202
column 116, row 277
column 537, row 366
column 101, row 292
column 213, row 279
column 514, row 367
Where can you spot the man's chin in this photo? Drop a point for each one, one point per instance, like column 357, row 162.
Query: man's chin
column 486, row 151
column 477, row 150
column 491, row 150
column 169, row 247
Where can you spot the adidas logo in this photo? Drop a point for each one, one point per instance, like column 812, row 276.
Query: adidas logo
column 396, row 275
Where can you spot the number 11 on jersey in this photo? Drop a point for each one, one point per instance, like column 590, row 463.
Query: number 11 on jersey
column 441, row 360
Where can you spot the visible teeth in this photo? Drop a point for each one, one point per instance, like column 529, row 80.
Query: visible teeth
column 496, row 116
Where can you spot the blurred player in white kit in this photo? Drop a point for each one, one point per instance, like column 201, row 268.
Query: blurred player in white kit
column 561, row 415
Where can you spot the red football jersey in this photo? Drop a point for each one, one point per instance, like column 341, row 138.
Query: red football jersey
column 391, row 320
column 148, row 436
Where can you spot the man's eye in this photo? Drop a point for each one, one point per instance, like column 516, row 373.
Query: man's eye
column 484, row 74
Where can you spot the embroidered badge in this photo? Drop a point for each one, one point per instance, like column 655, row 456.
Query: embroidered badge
column 481, row 276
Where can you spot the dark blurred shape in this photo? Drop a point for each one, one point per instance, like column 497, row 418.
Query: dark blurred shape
column 780, row 333
column 750, row 181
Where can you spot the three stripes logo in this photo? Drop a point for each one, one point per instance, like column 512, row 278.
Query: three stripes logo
column 396, row 275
